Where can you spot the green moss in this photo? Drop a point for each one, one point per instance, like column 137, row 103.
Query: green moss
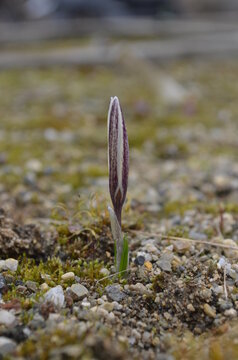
column 42, row 348
column 179, row 231
column 139, row 133
column 59, row 342
column 95, row 171
column 159, row 283
column 51, row 272
column 180, row 207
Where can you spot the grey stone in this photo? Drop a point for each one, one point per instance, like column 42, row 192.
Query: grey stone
column 6, row 345
column 2, row 282
column 146, row 337
column 114, row 293
column 139, row 260
column 37, row 322
column 56, row 296
column 31, row 285
column 78, row 291
column 11, row 264
column 104, row 272
column 6, row 318
column 165, row 261
column 197, row 235
column 139, row 288
column 230, row 313
column 2, row 265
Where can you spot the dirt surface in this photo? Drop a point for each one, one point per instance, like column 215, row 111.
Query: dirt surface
column 59, row 296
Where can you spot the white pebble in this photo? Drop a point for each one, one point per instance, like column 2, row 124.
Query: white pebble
column 68, row 276
column 56, row 296
column 6, row 318
column 11, row 264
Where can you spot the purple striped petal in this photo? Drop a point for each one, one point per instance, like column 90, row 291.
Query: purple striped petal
column 118, row 156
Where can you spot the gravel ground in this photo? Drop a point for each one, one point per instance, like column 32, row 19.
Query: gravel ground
column 59, row 296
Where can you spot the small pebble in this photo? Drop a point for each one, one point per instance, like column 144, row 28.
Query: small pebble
column 209, row 311
column 104, row 272
column 196, row 235
column 34, row 165
column 139, row 260
column 11, row 264
column 86, row 304
column 205, row 294
column 78, row 291
column 114, row 293
column 2, row 265
column 56, row 296
column 230, row 313
column 44, row 287
column 139, row 288
column 6, row 345
column 109, row 306
column 3, row 284
column 6, row 318
column 148, row 265
column 136, row 334
column 68, row 276
column 230, row 253
column 31, row 285
column 146, row 337
column 165, row 261
column 190, row 307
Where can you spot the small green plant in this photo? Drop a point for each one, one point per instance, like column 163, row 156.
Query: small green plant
column 118, row 164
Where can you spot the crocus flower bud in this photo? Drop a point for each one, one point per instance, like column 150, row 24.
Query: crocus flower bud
column 118, row 157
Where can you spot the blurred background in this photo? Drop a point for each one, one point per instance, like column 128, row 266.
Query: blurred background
column 173, row 64
column 35, row 9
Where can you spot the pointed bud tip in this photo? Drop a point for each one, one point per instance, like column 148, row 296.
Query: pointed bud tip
column 114, row 99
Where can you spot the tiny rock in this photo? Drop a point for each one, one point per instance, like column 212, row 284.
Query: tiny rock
column 6, row 318
column 151, row 248
column 99, row 311
column 2, row 265
column 167, row 316
column 190, row 307
column 136, row 334
column 3, row 283
column 114, row 293
column 31, row 285
column 165, row 261
column 230, row 313
column 206, row 294
column 34, row 165
column 109, row 306
column 146, row 337
column 148, row 265
column 56, row 296
column 139, row 260
column 209, row 311
column 6, row 345
column 86, row 304
column 11, row 264
column 139, row 288
column 68, row 276
column 44, row 287
column 230, row 253
column 181, row 246
column 104, row 272
column 78, row 291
